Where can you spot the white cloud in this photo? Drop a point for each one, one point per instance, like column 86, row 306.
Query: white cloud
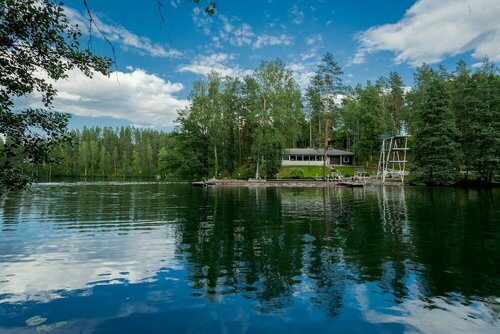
column 135, row 96
column 434, row 29
column 121, row 36
column 302, row 72
column 314, row 44
column 175, row 3
column 235, row 33
column 432, row 315
column 202, row 20
column 297, row 15
column 308, row 55
column 139, row 261
column 230, row 30
column 314, row 40
column 265, row 39
column 218, row 62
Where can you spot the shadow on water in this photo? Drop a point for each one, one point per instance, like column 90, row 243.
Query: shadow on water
column 118, row 256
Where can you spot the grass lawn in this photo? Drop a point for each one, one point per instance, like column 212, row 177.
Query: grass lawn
column 312, row 172
column 346, row 171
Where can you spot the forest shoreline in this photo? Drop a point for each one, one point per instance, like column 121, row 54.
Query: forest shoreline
column 263, row 183
column 297, row 183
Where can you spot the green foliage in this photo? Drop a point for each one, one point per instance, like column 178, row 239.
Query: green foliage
column 245, row 173
column 346, row 171
column 31, row 136
column 36, row 43
column 230, row 121
column 364, row 119
column 275, row 107
column 35, row 36
column 272, row 155
column 297, row 174
column 210, row 8
column 107, row 152
column 475, row 101
column 319, row 109
column 163, row 160
column 436, row 151
column 396, row 101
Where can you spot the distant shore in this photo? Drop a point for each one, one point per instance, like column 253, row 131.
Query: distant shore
column 300, row 183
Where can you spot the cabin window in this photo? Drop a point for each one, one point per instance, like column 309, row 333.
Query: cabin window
column 345, row 159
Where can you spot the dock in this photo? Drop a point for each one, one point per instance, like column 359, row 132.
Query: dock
column 278, row 183
column 352, row 184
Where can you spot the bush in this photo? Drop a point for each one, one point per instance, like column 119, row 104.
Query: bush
column 246, row 174
column 297, row 174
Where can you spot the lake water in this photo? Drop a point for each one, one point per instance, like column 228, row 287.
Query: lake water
column 150, row 258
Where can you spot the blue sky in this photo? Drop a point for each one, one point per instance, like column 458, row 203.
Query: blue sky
column 158, row 60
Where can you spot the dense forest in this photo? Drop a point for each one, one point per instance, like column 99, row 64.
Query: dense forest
column 238, row 127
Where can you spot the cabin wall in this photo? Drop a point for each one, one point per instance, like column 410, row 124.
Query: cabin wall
column 294, row 160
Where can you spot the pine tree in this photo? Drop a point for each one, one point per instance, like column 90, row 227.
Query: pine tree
column 436, row 151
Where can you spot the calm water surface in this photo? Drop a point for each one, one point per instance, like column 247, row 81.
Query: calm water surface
column 139, row 258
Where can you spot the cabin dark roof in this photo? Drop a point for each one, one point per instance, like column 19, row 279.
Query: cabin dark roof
column 315, row 152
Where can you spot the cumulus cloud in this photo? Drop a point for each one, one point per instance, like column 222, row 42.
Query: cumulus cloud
column 265, row 39
column 121, row 36
column 218, row 62
column 434, row 29
column 308, row 55
column 230, row 30
column 139, row 258
column 222, row 64
column 302, row 72
column 297, row 15
column 314, row 44
column 237, row 34
column 314, row 40
column 202, row 20
column 234, row 31
column 135, row 96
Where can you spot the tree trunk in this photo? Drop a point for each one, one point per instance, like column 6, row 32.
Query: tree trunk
column 216, row 164
column 325, row 148
column 257, row 170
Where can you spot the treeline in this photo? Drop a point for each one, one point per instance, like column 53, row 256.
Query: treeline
column 108, row 152
column 244, row 124
column 238, row 127
column 457, row 123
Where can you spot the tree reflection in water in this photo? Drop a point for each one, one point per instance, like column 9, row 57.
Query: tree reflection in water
column 274, row 244
column 393, row 254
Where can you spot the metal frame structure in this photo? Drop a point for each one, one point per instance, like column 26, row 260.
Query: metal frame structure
column 394, row 212
column 392, row 161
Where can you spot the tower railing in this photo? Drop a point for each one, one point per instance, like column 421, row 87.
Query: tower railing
column 393, row 158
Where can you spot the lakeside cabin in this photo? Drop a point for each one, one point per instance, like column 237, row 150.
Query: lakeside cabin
column 314, row 157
